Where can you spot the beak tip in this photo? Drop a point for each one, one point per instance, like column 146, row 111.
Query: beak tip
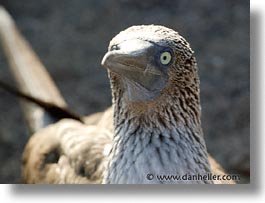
column 103, row 61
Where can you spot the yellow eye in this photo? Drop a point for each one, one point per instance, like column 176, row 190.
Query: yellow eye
column 165, row 58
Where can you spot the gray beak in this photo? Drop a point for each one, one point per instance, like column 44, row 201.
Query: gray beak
column 136, row 62
column 133, row 56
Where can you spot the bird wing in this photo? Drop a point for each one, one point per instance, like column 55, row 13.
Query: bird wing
column 101, row 119
column 63, row 152
column 67, row 152
column 29, row 73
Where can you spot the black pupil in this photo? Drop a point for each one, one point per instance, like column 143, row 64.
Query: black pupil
column 164, row 57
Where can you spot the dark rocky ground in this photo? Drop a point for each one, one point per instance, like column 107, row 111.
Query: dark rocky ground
column 72, row 36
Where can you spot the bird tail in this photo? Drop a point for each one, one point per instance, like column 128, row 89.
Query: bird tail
column 33, row 81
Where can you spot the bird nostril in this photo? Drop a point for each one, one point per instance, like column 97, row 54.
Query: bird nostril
column 114, row 47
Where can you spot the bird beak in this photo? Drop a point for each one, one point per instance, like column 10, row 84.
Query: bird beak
column 133, row 56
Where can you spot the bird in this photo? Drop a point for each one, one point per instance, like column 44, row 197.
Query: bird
column 151, row 132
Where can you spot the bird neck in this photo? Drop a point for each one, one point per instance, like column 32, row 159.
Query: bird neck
column 160, row 140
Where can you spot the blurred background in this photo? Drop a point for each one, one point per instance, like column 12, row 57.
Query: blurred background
column 71, row 37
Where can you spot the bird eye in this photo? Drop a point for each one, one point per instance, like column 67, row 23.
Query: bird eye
column 165, row 58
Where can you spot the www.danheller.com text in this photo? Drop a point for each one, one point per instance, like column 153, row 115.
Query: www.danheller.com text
column 192, row 177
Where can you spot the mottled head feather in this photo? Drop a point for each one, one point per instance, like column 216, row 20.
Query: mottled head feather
column 182, row 88
column 154, row 33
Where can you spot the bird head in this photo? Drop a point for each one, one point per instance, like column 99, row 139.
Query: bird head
column 149, row 63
